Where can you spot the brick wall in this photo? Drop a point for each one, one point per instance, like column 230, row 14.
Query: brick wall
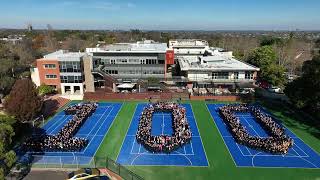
column 43, row 71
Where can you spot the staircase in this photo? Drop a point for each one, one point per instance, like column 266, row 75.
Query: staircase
column 109, row 80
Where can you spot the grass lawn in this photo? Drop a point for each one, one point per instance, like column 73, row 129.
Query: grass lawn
column 221, row 163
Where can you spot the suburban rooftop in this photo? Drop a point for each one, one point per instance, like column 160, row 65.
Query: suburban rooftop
column 140, row 46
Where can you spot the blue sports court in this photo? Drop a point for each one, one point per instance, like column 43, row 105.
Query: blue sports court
column 94, row 129
column 299, row 156
column 191, row 154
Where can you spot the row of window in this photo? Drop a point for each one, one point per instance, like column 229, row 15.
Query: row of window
column 51, row 76
column 71, row 79
column 130, row 61
column 49, row 66
column 70, row 66
column 225, row 75
column 135, row 72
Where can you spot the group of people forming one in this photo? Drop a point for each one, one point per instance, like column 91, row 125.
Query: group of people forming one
column 164, row 143
column 277, row 142
column 64, row 140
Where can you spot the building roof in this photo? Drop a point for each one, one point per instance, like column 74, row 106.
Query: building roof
column 188, row 43
column 63, row 55
column 214, row 63
column 140, row 46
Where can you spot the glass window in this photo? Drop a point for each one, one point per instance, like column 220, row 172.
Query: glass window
column 220, row 75
column 51, row 76
column 49, row 66
column 248, row 75
column 236, row 75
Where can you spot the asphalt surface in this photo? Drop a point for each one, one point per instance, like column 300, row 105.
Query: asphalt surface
column 46, row 175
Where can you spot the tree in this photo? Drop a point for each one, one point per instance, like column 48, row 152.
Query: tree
column 45, row 89
column 304, row 91
column 7, row 156
column 266, row 59
column 23, row 101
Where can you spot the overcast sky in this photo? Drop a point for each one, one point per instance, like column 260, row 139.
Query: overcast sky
column 162, row 14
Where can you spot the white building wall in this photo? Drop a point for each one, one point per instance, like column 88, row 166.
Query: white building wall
column 35, row 76
column 199, row 76
column 242, row 75
column 72, row 90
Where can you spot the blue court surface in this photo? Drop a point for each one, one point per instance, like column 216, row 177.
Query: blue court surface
column 94, row 129
column 299, row 156
column 191, row 154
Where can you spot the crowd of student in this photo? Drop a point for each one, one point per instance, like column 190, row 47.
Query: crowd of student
column 64, row 140
column 277, row 142
column 164, row 143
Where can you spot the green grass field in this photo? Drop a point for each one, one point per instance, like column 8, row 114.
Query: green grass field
column 221, row 163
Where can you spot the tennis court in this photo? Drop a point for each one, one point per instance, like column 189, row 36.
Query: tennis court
column 299, row 156
column 133, row 153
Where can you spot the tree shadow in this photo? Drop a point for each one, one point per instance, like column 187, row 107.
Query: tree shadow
column 50, row 106
column 294, row 118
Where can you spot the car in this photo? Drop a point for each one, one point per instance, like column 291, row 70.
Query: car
column 84, row 173
column 275, row 90
column 19, row 171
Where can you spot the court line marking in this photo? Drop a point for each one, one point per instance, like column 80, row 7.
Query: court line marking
column 135, row 135
column 64, row 120
column 131, row 120
column 175, row 153
column 56, row 121
column 98, row 128
column 195, row 120
column 113, row 120
column 85, row 149
column 98, row 120
column 214, row 105
column 179, row 154
column 134, row 140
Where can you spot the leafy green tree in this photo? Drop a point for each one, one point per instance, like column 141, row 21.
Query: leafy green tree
column 6, row 84
column 304, row 92
column 23, row 101
column 7, row 156
column 45, row 89
column 266, row 59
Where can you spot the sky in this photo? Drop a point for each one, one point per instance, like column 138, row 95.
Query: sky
column 162, row 14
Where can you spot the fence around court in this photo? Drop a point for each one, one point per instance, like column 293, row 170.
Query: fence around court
column 67, row 162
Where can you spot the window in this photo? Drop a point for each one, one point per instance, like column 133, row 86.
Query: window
column 248, row 75
column 220, row 75
column 71, row 79
column 49, row 66
column 51, row 76
column 236, row 75
column 70, row 66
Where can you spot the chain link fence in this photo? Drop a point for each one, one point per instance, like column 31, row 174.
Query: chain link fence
column 65, row 162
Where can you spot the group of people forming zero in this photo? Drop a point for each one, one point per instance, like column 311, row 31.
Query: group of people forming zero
column 164, row 143
column 64, row 140
column 277, row 142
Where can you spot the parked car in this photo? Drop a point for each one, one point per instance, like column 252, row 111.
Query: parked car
column 246, row 90
column 84, row 173
column 19, row 171
column 275, row 90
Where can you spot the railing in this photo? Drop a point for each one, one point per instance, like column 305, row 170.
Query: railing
column 73, row 161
